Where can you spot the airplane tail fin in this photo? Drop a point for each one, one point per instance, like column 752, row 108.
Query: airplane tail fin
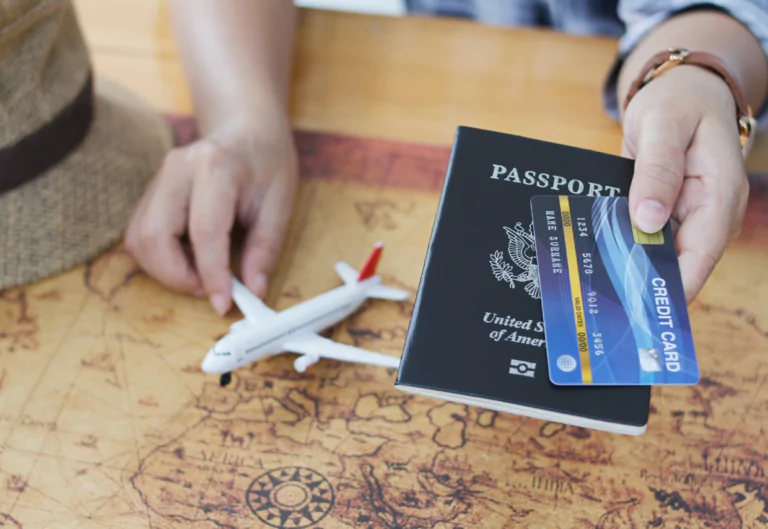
column 369, row 268
column 349, row 275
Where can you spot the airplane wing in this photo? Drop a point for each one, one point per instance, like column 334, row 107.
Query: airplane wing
column 251, row 306
column 316, row 346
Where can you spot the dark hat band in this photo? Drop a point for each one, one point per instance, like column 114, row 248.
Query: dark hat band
column 48, row 145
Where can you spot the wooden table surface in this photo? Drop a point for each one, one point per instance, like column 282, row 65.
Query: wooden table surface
column 412, row 79
column 107, row 421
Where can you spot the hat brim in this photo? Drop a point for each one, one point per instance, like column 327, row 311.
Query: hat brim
column 80, row 207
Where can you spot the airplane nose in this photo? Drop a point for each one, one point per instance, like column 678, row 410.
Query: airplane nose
column 209, row 363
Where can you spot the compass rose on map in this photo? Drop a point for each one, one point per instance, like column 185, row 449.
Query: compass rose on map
column 290, row 497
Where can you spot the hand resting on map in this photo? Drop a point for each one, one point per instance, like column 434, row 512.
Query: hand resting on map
column 237, row 174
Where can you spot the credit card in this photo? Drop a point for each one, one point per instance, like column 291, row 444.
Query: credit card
column 612, row 296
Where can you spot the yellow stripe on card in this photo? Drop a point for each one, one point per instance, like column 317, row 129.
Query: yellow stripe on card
column 578, row 300
column 647, row 238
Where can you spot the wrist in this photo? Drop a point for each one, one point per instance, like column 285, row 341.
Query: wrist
column 702, row 89
column 248, row 126
column 710, row 91
column 705, row 31
column 693, row 84
column 236, row 112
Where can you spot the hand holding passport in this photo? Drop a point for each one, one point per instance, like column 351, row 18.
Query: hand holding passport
column 550, row 307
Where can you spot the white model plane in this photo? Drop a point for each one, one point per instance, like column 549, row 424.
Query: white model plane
column 264, row 332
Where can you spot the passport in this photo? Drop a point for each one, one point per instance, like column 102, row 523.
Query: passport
column 476, row 335
column 612, row 296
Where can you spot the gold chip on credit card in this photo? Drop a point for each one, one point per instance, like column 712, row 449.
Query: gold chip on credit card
column 647, row 238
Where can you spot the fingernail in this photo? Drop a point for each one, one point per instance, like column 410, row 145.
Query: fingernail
column 219, row 304
column 650, row 216
column 259, row 284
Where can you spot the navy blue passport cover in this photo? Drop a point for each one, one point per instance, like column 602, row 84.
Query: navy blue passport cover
column 476, row 332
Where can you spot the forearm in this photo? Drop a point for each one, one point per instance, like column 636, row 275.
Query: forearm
column 710, row 31
column 237, row 57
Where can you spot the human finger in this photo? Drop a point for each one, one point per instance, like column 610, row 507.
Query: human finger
column 264, row 238
column 660, row 163
column 211, row 217
column 712, row 208
column 701, row 241
column 160, row 219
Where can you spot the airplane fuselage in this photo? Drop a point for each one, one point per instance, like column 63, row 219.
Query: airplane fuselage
column 248, row 343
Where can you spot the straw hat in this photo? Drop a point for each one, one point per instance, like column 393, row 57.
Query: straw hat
column 75, row 152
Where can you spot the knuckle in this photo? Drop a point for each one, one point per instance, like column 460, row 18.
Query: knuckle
column 708, row 260
column 173, row 158
column 266, row 251
column 217, row 163
column 271, row 251
column 177, row 282
column 202, row 232
column 175, row 154
column 661, row 172
column 208, row 153
column 149, row 236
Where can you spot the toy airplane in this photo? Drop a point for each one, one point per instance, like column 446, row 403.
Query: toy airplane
column 264, row 332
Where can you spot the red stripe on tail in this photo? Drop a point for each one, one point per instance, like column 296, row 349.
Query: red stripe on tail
column 369, row 268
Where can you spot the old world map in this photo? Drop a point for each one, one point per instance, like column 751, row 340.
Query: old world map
column 106, row 419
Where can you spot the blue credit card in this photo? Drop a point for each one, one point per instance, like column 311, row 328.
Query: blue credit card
column 613, row 300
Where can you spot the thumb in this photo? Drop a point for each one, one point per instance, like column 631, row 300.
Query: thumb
column 662, row 143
